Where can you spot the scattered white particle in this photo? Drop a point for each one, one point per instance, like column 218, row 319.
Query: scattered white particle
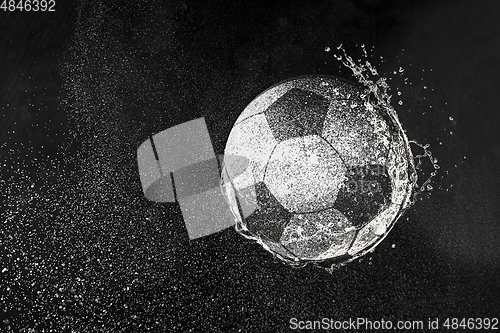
column 399, row 93
column 451, row 118
column 425, row 87
column 393, row 246
column 4, row 270
column 327, row 49
column 400, row 102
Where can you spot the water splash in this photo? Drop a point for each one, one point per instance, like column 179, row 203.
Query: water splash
column 377, row 97
column 426, row 155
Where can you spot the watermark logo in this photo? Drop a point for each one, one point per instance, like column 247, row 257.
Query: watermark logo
column 179, row 164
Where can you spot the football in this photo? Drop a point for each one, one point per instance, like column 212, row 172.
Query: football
column 327, row 173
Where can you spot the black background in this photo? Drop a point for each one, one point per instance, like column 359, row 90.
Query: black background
column 82, row 87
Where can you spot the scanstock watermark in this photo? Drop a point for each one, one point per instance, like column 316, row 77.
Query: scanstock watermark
column 179, row 165
column 356, row 324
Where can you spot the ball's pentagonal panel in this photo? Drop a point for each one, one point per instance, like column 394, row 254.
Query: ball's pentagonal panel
column 359, row 135
column 328, row 86
column 366, row 191
column 260, row 105
column 318, row 234
column 375, row 231
column 270, row 218
column 305, row 174
column 297, row 113
column 253, row 140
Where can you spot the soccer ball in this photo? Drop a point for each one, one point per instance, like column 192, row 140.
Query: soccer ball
column 326, row 173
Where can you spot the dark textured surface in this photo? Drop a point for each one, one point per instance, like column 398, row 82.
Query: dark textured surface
column 269, row 219
column 297, row 113
column 366, row 192
column 84, row 251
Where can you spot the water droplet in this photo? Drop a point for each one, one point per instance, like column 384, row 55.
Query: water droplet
column 399, row 93
column 451, row 118
column 425, row 87
column 327, row 49
column 393, row 246
column 400, row 102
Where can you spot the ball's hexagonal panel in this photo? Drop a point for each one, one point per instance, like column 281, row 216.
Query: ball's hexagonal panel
column 359, row 135
column 252, row 139
column 305, row 174
column 318, row 234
